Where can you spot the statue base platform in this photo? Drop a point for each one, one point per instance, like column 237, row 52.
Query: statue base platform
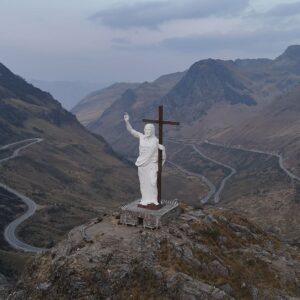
column 135, row 214
column 151, row 206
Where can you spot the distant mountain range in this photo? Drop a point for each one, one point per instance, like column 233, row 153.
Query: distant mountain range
column 213, row 99
column 91, row 107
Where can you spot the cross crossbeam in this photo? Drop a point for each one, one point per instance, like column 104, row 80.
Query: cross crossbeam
column 163, row 122
column 160, row 123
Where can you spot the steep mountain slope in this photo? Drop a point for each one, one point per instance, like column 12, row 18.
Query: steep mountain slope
column 205, row 254
column 71, row 175
column 90, row 108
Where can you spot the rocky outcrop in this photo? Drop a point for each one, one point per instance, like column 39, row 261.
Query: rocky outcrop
column 4, row 287
column 205, row 254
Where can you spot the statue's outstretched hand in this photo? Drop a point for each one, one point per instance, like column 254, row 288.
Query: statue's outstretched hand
column 126, row 117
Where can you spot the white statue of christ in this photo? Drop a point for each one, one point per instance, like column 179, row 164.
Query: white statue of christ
column 147, row 162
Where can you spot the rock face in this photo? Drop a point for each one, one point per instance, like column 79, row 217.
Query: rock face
column 205, row 254
column 206, row 83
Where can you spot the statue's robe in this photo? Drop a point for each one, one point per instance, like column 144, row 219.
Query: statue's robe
column 147, row 164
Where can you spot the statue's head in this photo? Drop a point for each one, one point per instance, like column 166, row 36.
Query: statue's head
column 149, row 130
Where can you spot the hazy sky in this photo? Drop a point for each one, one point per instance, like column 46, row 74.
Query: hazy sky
column 138, row 40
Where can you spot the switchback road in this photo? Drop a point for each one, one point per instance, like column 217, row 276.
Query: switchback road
column 223, row 182
column 279, row 156
column 10, row 230
column 192, row 142
column 213, row 190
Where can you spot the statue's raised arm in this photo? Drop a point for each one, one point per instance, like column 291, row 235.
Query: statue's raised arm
column 129, row 127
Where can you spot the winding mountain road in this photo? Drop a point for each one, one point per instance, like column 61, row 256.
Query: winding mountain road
column 216, row 194
column 279, row 156
column 10, row 230
column 211, row 186
column 223, row 182
column 213, row 190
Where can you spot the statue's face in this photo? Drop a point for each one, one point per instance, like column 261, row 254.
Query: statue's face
column 149, row 130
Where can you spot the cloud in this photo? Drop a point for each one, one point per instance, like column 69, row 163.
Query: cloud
column 153, row 14
column 121, row 43
column 246, row 42
column 285, row 10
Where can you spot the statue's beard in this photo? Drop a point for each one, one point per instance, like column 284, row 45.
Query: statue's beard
column 149, row 135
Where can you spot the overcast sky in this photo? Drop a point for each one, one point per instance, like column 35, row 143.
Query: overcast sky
column 138, row 40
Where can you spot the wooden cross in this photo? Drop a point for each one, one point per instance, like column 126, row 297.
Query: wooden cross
column 160, row 123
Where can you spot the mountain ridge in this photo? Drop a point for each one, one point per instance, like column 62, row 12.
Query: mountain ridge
column 205, row 79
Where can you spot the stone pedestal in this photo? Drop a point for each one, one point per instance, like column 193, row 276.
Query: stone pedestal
column 132, row 214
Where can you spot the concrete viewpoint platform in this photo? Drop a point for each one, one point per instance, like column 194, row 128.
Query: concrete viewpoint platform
column 133, row 215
